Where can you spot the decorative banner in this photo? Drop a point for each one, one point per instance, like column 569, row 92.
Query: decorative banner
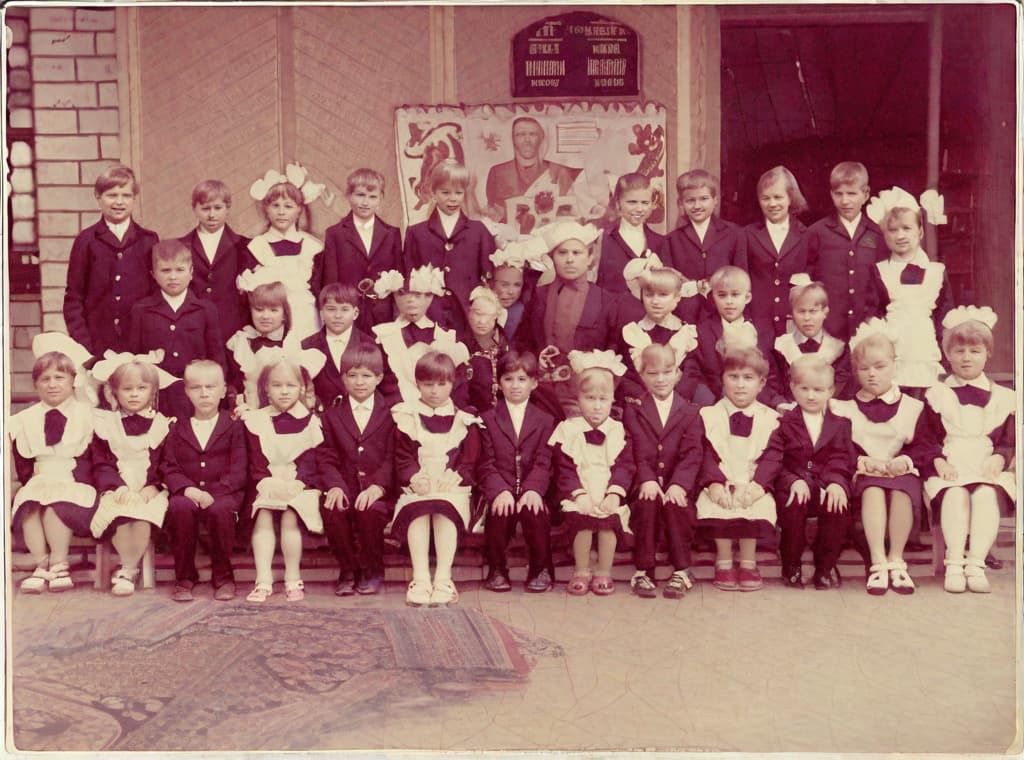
column 529, row 164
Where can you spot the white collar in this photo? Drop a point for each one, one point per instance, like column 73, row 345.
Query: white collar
column 292, row 235
column 853, row 225
column 277, row 334
column 299, row 411
column 731, row 408
column 365, row 226
column 519, row 408
column 367, row 404
column 981, row 382
column 919, row 259
column 422, row 322
column 175, row 302
column 701, row 228
column 120, row 228
column 782, row 226
column 205, row 423
column 446, row 409
column 799, row 337
column 342, row 338
column 204, row 235
column 891, row 396
column 64, row 407
column 671, row 322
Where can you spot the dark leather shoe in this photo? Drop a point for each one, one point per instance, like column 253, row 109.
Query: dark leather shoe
column 182, row 592
column 792, row 578
column 369, row 586
column 346, row 586
column 829, row 580
column 225, row 592
column 497, row 580
column 539, row 583
column 992, row 562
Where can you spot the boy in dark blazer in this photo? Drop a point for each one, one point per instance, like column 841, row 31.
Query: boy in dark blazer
column 339, row 310
column 108, row 269
column 356, row 463
column 205, row 469
column 515, row 473
column 817, row 468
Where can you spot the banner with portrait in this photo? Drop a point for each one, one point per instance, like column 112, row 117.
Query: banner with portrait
column 531, row 163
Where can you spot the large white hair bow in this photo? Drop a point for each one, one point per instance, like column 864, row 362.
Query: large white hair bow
column 105, row 367
column 896, row 197
column 388, row 282
column 609, row 360
column 873, row 326
column 961, row 314
column 427, row 279
column 635, row 272
column 297, row 175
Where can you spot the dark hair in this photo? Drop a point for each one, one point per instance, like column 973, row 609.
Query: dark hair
column 436, row 367
column 169, row 250
column 53, row 360
column 339, row 292
column 744, row 358
column 362, row 355
column 115, row 176
column 515, row 361
column 272, row 294
column 631, row 181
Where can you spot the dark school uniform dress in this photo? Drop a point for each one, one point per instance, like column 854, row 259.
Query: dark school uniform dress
column 328, row 383
column 792, row 345
column 297, row 264
column 517, row 464
column 668, row 453
column 703, row 365
column 106, row 276
column 354, row 460
column 636, row 336
column 770, row 271
column 403, row 344
column 248, row 353
column 346, row 260
column 830, row 459
column 482, row 387
column 682, row 249
column 616, row 253
column 216, row 281
column 221, row 468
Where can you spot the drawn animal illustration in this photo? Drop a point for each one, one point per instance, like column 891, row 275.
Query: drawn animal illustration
column 431, row 144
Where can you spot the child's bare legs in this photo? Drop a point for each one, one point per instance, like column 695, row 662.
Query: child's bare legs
column 606, row 541
column 291, row 546
column 58, row 536
column 873, row 516
column 984, row 511
column 263, row 547
column 581, row 552
column 901, row 520
column 35, row 538
column 748, row 552
column 418, row 538
column 723, row 553
column 130, row 541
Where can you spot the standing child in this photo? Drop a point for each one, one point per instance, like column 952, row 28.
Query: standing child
column 976, row 429
column 515, row 472
column 514, row 279
column 206, row 468
column 282, row 438
column 108, row 269
column 889, row 437
column 817, row 467
column 435, row 462
column 339, row 311
column 356, row 462
column 486, row 344
column 361, row 246
column 631, row 238
column 218, row 253
column 595, row 469
column 842, row 250
column 667, row 438
column 251, row 346
column 126, row 461
column 452, row 242
column 741, row 462
column 51, row 450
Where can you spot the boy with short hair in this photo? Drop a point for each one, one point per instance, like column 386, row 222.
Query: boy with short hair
column 842, row 250
column 515, row 472
column 108, row 269
column 817, row 468
column 218, row 255
column 205, row 469
column 356, row 462
column 339, row 310
column 177, row 322
column 362, row 245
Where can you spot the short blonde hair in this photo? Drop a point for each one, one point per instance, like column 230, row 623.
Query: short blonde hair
column 797, row 202
column 808, row 365
column 657, row 355
column 729, row 273
column 696, row 179
column 877, row 340
column 849, row 173
column 451, row 172
column 970, row 333
column 595, row 376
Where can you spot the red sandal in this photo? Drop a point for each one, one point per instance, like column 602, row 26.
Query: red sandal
column 602, row 585
column 579, row 585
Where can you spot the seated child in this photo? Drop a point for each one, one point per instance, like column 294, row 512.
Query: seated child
column 515, row 472
column 595, row 468
column 975, row 426
column 667, row 440
column 515, row 279
column 253, row 346
column 206, row 469
column 339, row 311
column 175, row 321
column 486, row 345
column 817, row 467
column 890, row 439
column 282, row 438
column 741, row 462
column 356, row 463
column 51, row 449
column 362, row 245
column 631, row 238
column 436, row 457
column 126, row 456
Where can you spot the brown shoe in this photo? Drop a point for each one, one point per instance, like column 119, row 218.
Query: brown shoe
column 183, row 592
column 225, row 593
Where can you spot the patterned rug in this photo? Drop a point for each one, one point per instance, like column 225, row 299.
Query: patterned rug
column 214, row 676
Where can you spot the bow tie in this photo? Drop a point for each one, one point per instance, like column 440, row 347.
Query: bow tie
column 414, row 334
column 262, row 341
column 969, row 395
column 877, row 410
column 740, row 424
column 437, row 423
column 912, row 275
column 285, row 423
column 136, row 424
column 660, row 334
column 594, row 437
column 809, row 346
column 286, row 247
column 53, row 427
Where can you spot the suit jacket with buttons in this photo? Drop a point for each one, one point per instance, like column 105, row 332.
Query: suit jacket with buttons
column 668, row 454
column 724, row 244
column 328, row 383
column 221, row 468
column 511, row 463
column 616, row 253
column 770, row 272
column 831, row 460
column 346, row 260
column 191, row 332
column 216, row 282
column 354, row 461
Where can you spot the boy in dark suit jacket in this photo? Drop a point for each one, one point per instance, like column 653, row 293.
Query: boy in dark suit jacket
column 356, row 462
column 515, row 472
column 108, row 270
column 817, row 467
column 205, row 469
column 339, row 309
column 177, row 322
column 361, row 246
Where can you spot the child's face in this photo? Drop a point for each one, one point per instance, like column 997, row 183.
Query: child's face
column 572, row 260
column 267, row 318
column 448, row 197
column 507, row 285
column 812, row 392
column 596, row 402
column 364, row 202
column 205, row 388
column 412, row 305
column 967, row 360
column 211, row 214
column 698, row 204
column 360, row 383
column 848, row 198
column 875, row 371
column 173, row 275
column 660, row 379
column 435, row 393
column 774, row 200
column 635, row 205
column 903, row 234
column 133, row 394
column 117, row 203
column 338, row 317
column 809, row 316
column 284, row 387
column 482, row 318
column 730, row 299
column 54, row 386
column 742, row 384
column 516, row 386
column 282, row 213
column 659, row 303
